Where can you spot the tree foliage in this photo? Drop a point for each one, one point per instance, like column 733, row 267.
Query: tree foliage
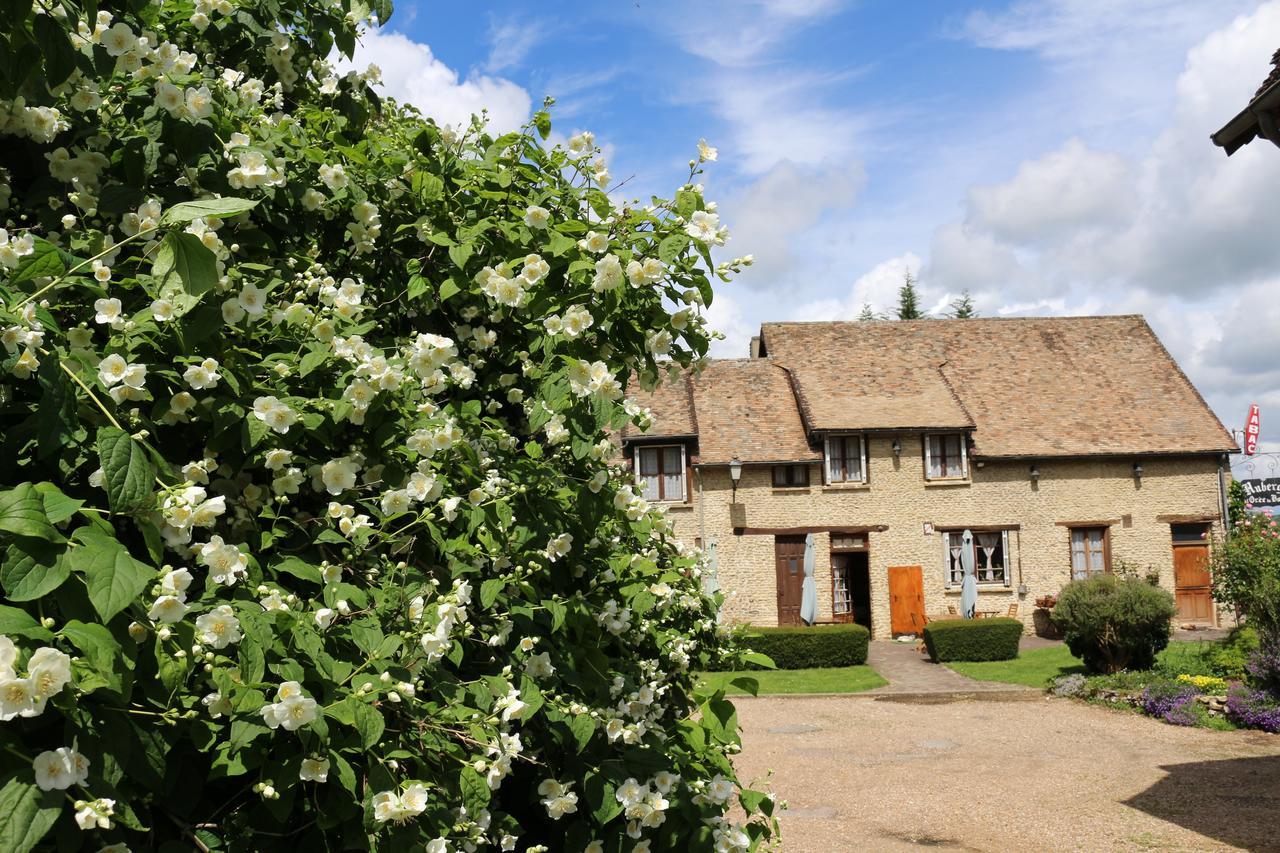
column 1246, row 568
column 310, row 533
column 1114, row 621
column 962, row 307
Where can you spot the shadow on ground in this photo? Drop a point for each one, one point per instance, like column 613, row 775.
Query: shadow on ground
column 1204, row 797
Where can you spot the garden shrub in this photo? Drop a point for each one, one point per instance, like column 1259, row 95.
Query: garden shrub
column 817, row 646
column 1246, row 571
column 1114, row 623
column 1263, row 667
column 1229, row 658
column 973, row 639
column 1070, row 686
column 310, row 534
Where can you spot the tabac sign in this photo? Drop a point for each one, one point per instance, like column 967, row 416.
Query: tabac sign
column 1263, row 492
column 1252, row 429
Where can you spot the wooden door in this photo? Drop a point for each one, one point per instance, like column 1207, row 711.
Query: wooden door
column 1191, row 583
column 789, row 560
column 906, row 600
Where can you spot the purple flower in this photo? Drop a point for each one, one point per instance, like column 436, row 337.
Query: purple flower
column 1253, row 709
column 1172, row 703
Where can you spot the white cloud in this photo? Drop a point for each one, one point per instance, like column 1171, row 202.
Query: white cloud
column 510, row 42
column 877, row 287
column 768, row 216
column 411, row 74
column 1073, row 187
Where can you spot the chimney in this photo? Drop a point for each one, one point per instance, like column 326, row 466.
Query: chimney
column 755, row 346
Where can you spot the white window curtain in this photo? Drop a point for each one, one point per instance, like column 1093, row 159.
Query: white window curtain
column 661, row 471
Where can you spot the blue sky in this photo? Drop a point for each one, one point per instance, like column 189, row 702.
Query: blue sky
column 1049, row 156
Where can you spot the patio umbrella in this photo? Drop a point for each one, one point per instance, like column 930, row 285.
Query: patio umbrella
column 969, row 588
column 711, row 577
column 809, row 593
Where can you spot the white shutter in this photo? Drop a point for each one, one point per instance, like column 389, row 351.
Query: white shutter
column 862, row 458
column 964, row 455
column 827, row 476
column 1008, row 559
column 684, row 475
column 928, row 456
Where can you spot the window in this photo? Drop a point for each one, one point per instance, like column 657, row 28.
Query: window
column 662, row 472
column 945, row 457
column 990, row 556
column 787, row 476
column 844, row 459
column 1089, row 552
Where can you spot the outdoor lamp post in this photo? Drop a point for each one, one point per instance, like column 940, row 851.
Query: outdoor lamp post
column 897, row 447
column 735, row 474
column 1137, row 471
column 1035, row 473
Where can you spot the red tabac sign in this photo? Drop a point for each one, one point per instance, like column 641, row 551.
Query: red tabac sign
column 1252, row 428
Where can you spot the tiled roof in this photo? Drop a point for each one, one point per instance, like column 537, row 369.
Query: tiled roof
column 1272, row 78
column 740, row 407
column 1053, row 386
column 745, row 408
column 848, row 380
column 1244, row 128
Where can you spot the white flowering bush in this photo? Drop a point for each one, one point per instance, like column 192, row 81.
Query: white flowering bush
column 310, row 535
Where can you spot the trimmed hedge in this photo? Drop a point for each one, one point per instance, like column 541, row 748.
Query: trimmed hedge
column 816, row 646
column 973, row 639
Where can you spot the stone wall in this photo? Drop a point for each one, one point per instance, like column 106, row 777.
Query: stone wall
column 898, row 496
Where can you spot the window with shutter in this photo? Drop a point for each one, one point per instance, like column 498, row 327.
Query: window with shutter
column 1089, row 552
column 662, row 472
column 845, row 462
column 946, row 457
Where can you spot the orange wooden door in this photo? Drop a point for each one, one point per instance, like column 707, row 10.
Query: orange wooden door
column 789, row 560
column 906, row 599
column 1191, row 583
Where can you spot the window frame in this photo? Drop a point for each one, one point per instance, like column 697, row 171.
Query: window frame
column 844, row 438
column 802, row 466
column 1071, row 550
column 1006, row 582
column 927, row 441
column 662, row 472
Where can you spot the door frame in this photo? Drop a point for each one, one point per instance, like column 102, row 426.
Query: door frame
column 782, row 577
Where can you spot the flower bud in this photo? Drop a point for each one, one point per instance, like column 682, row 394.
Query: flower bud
column 137, row 631
column 164, row 633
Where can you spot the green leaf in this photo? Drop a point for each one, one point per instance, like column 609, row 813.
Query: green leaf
column 46, row 260
column 22, row 513
column 475, row 790
column 583, row 727
column 671, row 247
column 114, row 578
column 183, row 261
column 127, row 471
column 299, row 568
column 460, row 254
column 600, row 796
column 760, row 660
column 560, row 243
column 26, row 815
column 747, row 684
column 448, row 288
column 557, row 611
column 57, row 506
column 252, row 663
column 184, row 212
column 56, row 418
column 489, row 591
column 312, row 361
column 17, row 622
column 31, row 569
column 99, row 647
column 59, row 55
column 542, row 121
column 369, row 724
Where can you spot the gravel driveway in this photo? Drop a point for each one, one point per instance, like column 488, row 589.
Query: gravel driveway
column 1045, row 774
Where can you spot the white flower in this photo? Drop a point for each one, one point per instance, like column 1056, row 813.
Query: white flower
column 118, row 40
column 557, row 797
column 277, row 459
column 232, row 311
column 112, row 369
column 225, row 562
column 203, row 375
column 539, row 666
column 291, row 710
column 176, row 582
column 168, row 97
column 338, row 475
column 218, row 628
column 537, row 217
column 251, row 300
column 168, row 609
column 274, row 414
column 162, row 310
column 594, row 242
column 609, row 275
column 17, row 698
column 706, row 152
column 314, row 770
column 198, row 103
column 108, row 311
column 703, row 226
column 334, row 177
column 59, row 769
column 325, row 617
column 95, row 814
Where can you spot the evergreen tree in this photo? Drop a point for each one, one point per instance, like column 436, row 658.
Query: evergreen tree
column 867, row 313
column 962, row 308
column 909, row 299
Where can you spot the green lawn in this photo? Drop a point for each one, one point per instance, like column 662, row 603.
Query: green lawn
column 1037, row 667
column 845, row 679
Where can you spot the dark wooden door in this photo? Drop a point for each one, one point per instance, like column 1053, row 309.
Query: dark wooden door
column 906, row 599
column 1191, row 583
column 789, row 559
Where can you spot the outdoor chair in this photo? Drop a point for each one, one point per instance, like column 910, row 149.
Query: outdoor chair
column 1013, row 611
column 951, row 608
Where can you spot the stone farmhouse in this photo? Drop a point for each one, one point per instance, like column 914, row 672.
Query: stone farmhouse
column 1066, row 445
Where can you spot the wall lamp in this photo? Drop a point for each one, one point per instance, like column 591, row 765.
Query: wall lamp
column 1137, row 470
column 1035, row 473
column 897, row 447
column 735, row 474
